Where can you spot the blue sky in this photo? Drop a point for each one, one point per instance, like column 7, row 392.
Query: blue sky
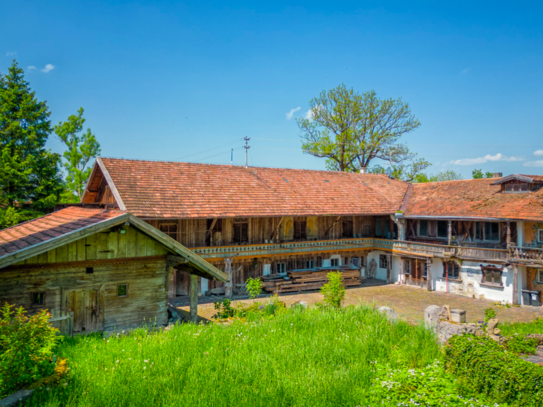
column 186, row 81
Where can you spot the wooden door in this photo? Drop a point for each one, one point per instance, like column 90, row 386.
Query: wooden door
column 88, row 310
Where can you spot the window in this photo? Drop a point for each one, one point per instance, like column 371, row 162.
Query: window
column 540, row 276
column 451, row 269
column 89, row 270
column 348, row 228
column 334, row 262
column 309, row 264
column 383, row 261
column 240, row 231
column 38, row 299
column 423, row 228
column 492, row 275
column 281, row 268
column 407, row 267
column 170, row 229
column 300, row 230
column 492, row 231
column 355, row 261
column 425, row 270
column 378, row 227
column 516, row 187
column 442, row 228
column 540, row 235
column 366, row 231
column 122, row 290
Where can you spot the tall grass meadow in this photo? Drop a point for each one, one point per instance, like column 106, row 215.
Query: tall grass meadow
column 297, row 358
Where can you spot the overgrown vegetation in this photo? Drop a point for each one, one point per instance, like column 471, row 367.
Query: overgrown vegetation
column 296, row 358
column 484, row 367
column 334, row 290
column 254, row 287
column 534, row 327
column 489, row 314
column 26, row 348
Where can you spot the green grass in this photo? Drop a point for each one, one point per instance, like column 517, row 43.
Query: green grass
column 299, row 358
column 534, row 327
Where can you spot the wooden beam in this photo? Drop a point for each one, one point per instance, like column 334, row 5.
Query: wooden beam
column 331, row 226
column 389, row 268
column 449, row 231
column 515, row 285
column 111, row 184
column 429, row 274
column 193, row 298
column 508, row 237
column 211, row 228
column 276, row 228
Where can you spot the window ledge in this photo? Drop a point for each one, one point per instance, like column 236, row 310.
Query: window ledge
column 490, row 285
column 452, row 280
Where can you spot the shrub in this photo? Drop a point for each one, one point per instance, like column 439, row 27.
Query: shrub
column 485, row 367
column 489, row 314
column 519, row 343
column 333, row 290
column 224, row 309
column 26, row 345
column 534, row 327
column 429, row 386
column 254, row 287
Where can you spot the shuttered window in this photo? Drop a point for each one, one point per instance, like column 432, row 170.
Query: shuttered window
column 300, row 229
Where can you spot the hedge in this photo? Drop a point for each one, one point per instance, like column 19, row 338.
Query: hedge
column 484, row 367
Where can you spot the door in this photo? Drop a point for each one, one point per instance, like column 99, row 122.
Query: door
column 87, row 308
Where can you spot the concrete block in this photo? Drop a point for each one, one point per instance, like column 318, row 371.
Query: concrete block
column 458, row 316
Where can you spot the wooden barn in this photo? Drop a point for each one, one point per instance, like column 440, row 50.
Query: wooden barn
column 104, row 267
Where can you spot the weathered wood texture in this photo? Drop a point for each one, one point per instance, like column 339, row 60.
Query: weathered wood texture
column 93, row 297
column 104, row 245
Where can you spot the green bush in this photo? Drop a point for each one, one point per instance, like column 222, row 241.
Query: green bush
column 254, row 287
column 428, row 386
column 26, row 345
column 519, row 343
column 534, row 327
column 489, row 314
column 333, row 291
column 224, row 309
column 484, row 367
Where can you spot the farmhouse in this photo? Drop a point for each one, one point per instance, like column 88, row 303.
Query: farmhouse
column 107, row 267
column 474, row 237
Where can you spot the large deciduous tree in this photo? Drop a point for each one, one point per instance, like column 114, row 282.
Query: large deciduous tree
column 30, row 179
column 352, row 130
column 81, row 149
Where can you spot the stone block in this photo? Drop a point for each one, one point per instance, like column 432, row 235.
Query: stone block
column 446, row 330
column 458, row 316
column 389, row 313
column 433, row 315
column 16, row 399
column 300, row 304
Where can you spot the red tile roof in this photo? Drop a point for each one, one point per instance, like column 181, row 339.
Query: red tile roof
column 151, row 189
column 477, row 198
column 50, row 226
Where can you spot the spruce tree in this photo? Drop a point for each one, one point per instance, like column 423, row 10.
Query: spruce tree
column 30, row 178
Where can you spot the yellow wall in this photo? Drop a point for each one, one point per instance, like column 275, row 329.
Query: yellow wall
column 312, row 227
column 530, row 230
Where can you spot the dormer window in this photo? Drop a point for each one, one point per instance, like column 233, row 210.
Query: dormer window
column 516, row 187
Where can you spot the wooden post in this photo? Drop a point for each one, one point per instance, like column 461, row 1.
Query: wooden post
column 193, row 298
column 508, row 235
column 515, row 285
column 429, row 274
column 449, row 232
column 389, row 268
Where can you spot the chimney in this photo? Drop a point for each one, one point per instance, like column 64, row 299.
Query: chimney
column 363, row 170
column 497, row 175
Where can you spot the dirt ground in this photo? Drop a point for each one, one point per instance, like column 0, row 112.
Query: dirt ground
column 408, row 302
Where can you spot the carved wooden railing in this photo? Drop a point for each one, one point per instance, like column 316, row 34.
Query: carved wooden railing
column 526, row 255
column 321, row 246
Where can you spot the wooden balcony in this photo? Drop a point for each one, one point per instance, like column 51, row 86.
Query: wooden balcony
column 338, row 245
column 526, row 255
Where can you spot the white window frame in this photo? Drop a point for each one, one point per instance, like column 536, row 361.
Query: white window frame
column 310, row 264
column 540, row 235
column 539, row 276
column 425, row 270
column 334, row 262
column 280, row 267
column 407, row 267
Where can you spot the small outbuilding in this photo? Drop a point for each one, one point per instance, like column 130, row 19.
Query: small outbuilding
column 105, row 268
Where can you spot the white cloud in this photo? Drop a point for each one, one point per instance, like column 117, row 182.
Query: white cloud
column 11, row 53
column 538, row 152
column 309, row 114
column 31, row 67
column 534, row 163
column 291, row 113
column 48, row 68
column 464, row 71
column 486, row 158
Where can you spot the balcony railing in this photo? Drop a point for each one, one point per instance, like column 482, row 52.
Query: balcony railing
column 401, row 247
column 527, row 255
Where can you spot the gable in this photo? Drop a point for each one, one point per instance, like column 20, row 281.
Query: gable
column 114, row 243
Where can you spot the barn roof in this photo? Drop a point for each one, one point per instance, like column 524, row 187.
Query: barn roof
column 474, row 198
column 156, row 189
column 37, row 236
